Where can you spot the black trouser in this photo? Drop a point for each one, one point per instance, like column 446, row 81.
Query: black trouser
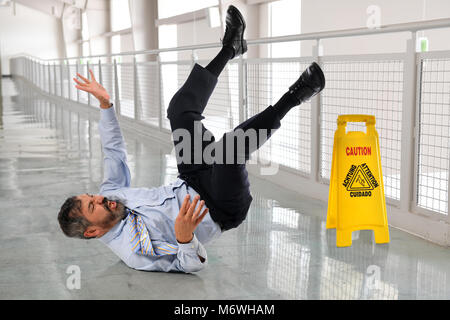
column 224, row 186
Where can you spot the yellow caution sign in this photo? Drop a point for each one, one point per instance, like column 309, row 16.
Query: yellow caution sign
column 356, row 196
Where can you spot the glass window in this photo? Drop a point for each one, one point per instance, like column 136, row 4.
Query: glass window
column 115, row 44
column 280, row 12
column 167, row 37
column 170, row 8
column 86, row 49
column 120, row 15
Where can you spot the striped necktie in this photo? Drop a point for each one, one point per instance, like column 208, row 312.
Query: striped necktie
column 140, row 239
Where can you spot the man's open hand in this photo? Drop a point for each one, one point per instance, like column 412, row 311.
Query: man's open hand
column 94, row 88
column 188, row 219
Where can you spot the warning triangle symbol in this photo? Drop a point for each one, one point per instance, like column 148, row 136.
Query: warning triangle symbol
column 359, row 181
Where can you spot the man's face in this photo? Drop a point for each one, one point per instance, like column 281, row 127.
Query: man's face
column 100, row 212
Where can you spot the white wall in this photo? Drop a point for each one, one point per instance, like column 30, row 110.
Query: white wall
column 326, row 15
column 198, row 32
column 30, row 32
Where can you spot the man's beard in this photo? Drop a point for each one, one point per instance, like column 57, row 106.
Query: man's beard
column 114, row 216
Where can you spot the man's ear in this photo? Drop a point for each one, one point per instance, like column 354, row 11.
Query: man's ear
column 92, row 232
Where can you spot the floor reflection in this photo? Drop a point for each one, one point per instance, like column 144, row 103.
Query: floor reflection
column 282, row 250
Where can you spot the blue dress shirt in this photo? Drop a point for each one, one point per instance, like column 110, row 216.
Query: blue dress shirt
column 158, row 208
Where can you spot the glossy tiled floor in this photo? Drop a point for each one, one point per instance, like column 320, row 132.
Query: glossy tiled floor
column 282, row 251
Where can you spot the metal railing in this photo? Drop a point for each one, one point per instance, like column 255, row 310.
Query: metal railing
column 409, row 93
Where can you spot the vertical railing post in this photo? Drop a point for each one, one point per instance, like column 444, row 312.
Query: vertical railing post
column 77, row 70
column 88, row 76
column 44, row 75
column 315, row 125
column 69, row 77
column 61, row 85
column 42, row 81
column 448, row 199
column 30, row 70
column 55, row 84
column 49, row 79
column 408, row 182
column 35, row 73
column 116, row 89
column 39, row 81
column 27, row 71
column 38, row 74
column 100, row 75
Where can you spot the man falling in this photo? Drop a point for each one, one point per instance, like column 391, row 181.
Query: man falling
column 161, row 229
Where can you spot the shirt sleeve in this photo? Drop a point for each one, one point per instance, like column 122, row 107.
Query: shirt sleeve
column 186, row 260
column 116, row 173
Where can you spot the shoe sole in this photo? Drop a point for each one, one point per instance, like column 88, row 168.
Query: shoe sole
column 321, row 75
column 239, row 15
column 244, row 46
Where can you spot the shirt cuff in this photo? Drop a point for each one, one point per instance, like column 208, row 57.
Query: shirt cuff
column 190, row 246
column 108, row 114
column 193, row 247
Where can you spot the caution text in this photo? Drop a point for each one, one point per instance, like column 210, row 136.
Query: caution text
column 358, row 151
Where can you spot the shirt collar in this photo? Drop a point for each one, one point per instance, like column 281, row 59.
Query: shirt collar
column 114, row 231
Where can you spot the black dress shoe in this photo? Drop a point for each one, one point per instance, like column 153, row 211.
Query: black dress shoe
column 234, row 32
column 310, row 83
